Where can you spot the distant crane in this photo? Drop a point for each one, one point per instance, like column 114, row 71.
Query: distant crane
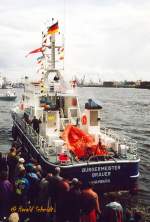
column 82, row 80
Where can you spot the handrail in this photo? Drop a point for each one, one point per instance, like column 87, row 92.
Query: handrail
column 122, row 139
column 100, row 156
column 36, row 138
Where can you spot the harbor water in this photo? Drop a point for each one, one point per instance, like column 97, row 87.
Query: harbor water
column 126, row 111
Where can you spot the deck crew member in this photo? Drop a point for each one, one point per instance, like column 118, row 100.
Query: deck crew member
column 36, row 124
column 56, row 78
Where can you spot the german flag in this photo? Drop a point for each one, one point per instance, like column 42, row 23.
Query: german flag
column 53, row 29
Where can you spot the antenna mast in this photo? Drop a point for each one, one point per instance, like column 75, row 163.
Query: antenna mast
column 52, row 39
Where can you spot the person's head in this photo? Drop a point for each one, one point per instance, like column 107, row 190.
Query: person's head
column 38, row 168
column 75, row 183
column 12, row 150
column 14, row 217
column 21, row 160
column 128, row 214
column 33, row 161
column 29, row 168
column 48, row 176
column 14, row 144
column 22, row 172
column 90, row 100
column 64, row 185
column 87, row 184
column 57, row 171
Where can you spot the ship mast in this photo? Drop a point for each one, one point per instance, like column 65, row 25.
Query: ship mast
column 52, row 39
column 52, row 67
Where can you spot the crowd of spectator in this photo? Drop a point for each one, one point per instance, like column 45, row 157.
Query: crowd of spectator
column 29, row 193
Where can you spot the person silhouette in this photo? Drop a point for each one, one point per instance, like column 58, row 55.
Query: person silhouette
column 36, row 124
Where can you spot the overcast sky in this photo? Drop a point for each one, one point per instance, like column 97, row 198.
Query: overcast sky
column 109, row 39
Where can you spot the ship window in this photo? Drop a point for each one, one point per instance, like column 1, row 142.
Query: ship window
column 73, row 112
column 51, row 119
column 51, row 101
column 93, row 118
column 65, row 122
column 43, row 100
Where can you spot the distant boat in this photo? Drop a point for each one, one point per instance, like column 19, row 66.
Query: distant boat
column 8, row 96
column 5, row 86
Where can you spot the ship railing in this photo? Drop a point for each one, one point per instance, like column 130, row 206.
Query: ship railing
column 4, row 154
column 131, row 144
column 108, row 132
column 132, row 148
column 101, row 158
column 37, row 140
column 43, row 146
column 27, row 129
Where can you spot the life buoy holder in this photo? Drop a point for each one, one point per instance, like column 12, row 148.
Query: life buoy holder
column 74, row 102
column 22, row 106
column 84, row 120
column 73, row 83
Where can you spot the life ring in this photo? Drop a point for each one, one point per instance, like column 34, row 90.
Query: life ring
column 84, row 120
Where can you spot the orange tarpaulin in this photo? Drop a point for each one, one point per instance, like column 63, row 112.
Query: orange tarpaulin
column 81, row 143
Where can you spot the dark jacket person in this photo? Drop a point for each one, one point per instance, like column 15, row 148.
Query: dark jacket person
column 36, row 124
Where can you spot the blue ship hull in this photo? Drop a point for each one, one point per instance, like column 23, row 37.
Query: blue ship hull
column 106, row 176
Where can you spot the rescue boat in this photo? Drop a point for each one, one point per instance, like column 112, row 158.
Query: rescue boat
column 70, row 138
